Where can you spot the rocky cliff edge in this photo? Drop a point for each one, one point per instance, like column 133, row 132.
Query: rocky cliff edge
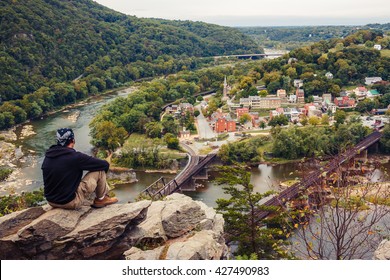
column 176, row 228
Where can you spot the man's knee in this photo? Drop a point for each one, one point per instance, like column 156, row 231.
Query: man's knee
column 94, row 176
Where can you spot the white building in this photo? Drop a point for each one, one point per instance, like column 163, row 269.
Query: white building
column 378, row 47
column 329, row 75
column 292, row 98
column 244, row 102
column 298, row 83
column 372, row 80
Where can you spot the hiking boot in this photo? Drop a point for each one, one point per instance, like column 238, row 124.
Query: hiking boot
column 97, row 203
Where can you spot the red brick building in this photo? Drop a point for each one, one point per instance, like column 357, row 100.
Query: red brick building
column 224, row 125
column 241, row 111
column 344, row 101
column 300, row 93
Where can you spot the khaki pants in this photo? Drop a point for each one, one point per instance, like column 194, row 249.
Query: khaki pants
column 92, row 182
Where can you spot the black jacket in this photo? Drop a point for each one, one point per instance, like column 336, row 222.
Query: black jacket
column 62, row 172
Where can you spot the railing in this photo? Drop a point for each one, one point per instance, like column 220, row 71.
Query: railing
column 313, row 177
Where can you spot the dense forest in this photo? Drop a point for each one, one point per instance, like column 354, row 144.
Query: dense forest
column 140, row 112
column 47, row 44
column 291, row 37
column 349, row 60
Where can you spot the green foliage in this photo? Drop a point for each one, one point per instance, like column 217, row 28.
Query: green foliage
column 278, row 120
column 140, row 112
column 172, row 141
column 385, row 139
column 293, row 143
column 251, row 257
column 4, row 173
column 340, row 116
column 248, row 150
column 293, row 37
column 142, row 152
column 245, row 118
column 239, row 211
column 12, row 203
column 56, row 52
column 366, row 106
column 109, row 136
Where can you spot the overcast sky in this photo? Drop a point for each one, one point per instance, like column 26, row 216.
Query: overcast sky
column 259, row 12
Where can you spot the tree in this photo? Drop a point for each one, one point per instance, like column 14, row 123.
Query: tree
column 349, row 221
column 314, row 120
column 325, row 119
column 278, row 120
column 107, row 135
column 340, row 116
column 153, row 129
column 172, row 141
column 196, row 113
column 245, row 118
column 239, row 211
column 304, row 121
column 263, row 93
column 365, row 106
column 385, row 139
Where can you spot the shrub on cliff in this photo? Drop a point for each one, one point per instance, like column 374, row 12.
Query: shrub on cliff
column 12, row 203
column 4, row 173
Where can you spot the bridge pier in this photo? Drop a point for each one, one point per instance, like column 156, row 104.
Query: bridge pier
column 362, row 156
column 191, row 184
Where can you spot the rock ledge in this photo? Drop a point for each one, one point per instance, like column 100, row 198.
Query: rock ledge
column 176, row 228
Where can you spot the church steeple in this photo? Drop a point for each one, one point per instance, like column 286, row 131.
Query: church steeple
column 225, row 90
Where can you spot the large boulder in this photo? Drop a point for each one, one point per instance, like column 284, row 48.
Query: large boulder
column 175, row 228
column 383, row 251
column 182, row 229
column 180, row 215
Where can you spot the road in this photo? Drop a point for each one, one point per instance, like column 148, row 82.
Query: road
column 204, row 129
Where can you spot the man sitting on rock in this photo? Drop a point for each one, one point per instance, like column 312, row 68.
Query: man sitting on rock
column 65, row 186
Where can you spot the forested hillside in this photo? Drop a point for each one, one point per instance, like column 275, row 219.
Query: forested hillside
column 291, row 37
column 54, row 52
column 45, row 41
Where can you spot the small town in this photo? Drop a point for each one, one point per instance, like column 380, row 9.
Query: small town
column 255, row 114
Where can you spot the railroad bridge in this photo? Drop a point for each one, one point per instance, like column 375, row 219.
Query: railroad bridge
column 185, row 180
column 252, row 56
column 319, row 175
column 196, row 164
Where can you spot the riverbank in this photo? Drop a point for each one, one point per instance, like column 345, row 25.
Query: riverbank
column 7, row 148
column 22, row 147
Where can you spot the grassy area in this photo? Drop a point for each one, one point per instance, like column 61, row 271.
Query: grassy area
column 205, row 151
column 141, row 152
column 139, row 140
column 257, row 131
column 385, row 53
column 262, row 112
column 276, row 160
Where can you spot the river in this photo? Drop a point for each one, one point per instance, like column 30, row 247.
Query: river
column 28, row 177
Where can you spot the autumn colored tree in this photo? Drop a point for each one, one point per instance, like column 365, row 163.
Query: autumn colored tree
column 349, row 222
